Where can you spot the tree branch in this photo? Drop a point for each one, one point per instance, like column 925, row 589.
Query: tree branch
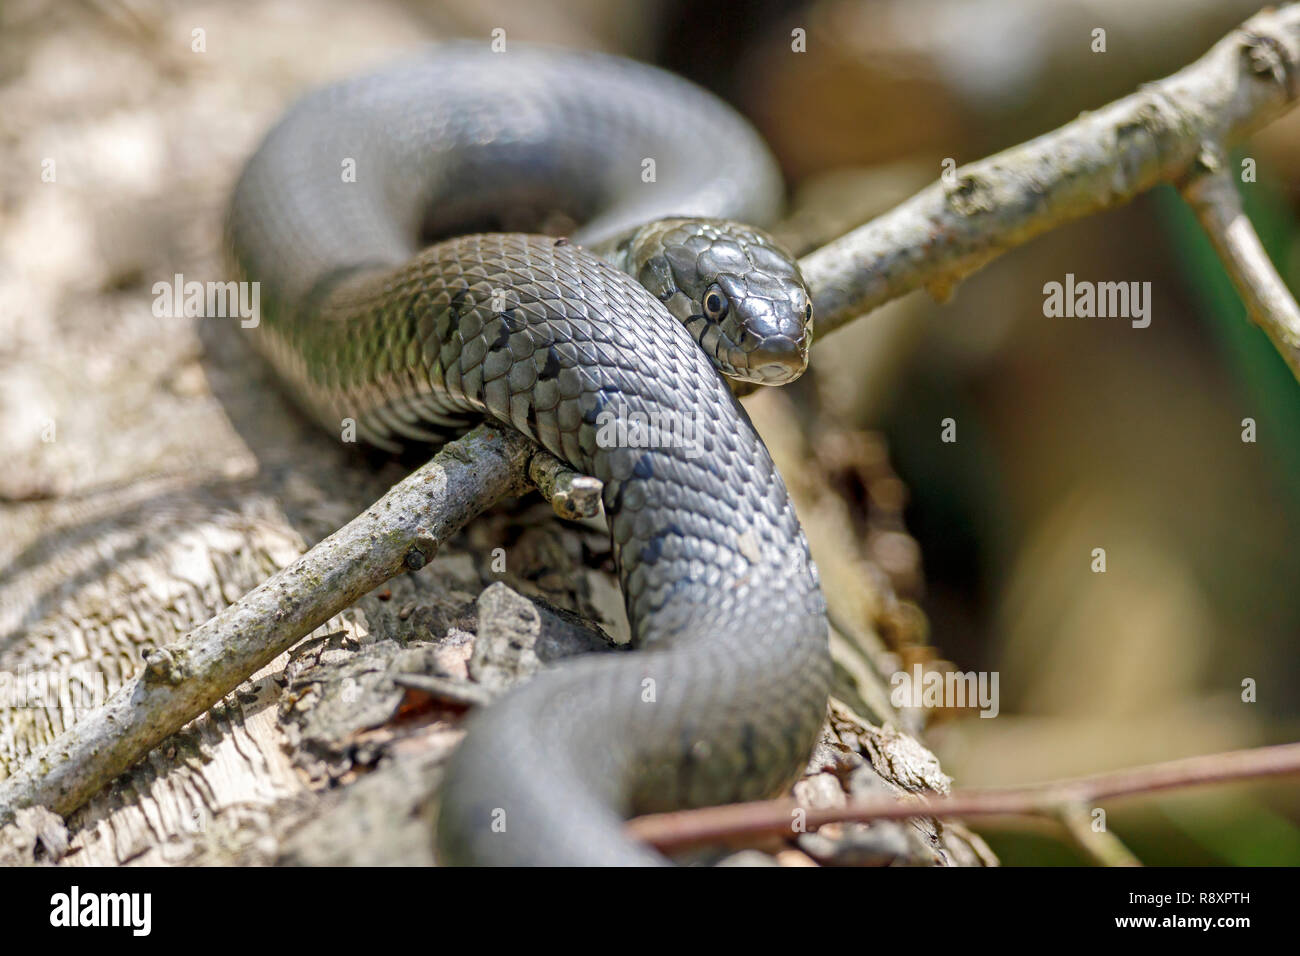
column 673, row 831
column 1212, row 194
column 401, row 531
column 1099, row 161
column 1102, row 846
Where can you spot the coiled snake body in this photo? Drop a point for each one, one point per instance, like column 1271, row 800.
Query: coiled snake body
column 726, row 695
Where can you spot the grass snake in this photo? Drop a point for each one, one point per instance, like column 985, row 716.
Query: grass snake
column 370, row 217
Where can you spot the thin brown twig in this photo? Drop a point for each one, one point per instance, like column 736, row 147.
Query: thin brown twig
column 672, row 831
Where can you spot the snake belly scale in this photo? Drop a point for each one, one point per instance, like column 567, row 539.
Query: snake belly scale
column 725, row 696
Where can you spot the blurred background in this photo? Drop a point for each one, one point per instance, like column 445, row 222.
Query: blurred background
column 1073, row 434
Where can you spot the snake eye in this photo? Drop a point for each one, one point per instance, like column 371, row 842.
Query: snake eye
column 807, row 312
column 715, row 304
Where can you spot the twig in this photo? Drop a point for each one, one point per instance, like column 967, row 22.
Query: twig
column 672, row 831
column 400, row 532
column 1099, row 161
column 1102, row 846
column 573, row 496
column 1212, row 194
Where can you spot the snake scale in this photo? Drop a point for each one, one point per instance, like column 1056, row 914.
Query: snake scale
column 365, row 319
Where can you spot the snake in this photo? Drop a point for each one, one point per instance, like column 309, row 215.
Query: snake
column 401, row 227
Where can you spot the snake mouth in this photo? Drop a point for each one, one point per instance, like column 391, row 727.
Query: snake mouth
column 770, row 373
column 776, row 360
column 775, row 373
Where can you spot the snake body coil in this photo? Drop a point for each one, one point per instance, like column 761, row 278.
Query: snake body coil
column 726, row 695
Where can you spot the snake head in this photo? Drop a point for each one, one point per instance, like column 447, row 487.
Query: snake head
column 734, row 288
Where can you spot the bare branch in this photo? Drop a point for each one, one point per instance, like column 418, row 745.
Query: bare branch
column 401, row 531
column 572, row 495
column 1099, row 161
column 1102, row 846
column 672, row 831
column 1212, row 194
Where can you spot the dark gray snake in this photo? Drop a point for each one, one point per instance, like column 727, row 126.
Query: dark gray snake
column 364, row 320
